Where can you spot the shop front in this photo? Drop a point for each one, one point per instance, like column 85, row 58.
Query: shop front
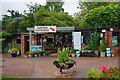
column 67, row 37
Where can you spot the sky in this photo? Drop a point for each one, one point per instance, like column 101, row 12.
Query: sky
column 69, row 6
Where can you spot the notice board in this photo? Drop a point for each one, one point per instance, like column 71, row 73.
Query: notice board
column 77, row 40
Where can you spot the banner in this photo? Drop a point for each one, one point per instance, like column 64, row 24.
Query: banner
column 43, row 29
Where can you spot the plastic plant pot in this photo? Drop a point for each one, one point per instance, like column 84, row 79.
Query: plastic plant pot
column 13, row 54
column 44, row 54
column 35, row 55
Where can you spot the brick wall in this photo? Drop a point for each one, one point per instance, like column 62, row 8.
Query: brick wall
column 22, row 44
column 108, row 39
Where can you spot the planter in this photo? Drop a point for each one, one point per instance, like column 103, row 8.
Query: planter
column 89, row 53
column 96, row 53
column 14, row 54
column 102, row 54
column 66, row 66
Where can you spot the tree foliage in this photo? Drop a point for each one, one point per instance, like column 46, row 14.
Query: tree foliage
column 93, row 13
column 102, row 17
column 11, row 23
column 5, row 34
column 50, row 14
column 52, row 18
column 55, row 6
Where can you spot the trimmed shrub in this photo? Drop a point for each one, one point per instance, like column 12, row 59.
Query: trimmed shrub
column 94, row 74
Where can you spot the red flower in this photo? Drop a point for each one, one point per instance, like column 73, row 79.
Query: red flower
column 103, row 68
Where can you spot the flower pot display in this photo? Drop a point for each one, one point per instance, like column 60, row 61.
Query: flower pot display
column 38, row 53
column 13, row 52
column 63, row 61
column 29, row 54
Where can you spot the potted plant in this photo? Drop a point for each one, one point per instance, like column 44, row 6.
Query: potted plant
column 102, row 47
column 92, row 45
column 72, row 54
column 37, row 53
column 30, row 53
column 26, row 54
column 47, row 52
column 63, row 61
column 13, row 52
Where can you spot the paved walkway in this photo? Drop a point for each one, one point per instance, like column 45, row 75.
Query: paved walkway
column 42, row 67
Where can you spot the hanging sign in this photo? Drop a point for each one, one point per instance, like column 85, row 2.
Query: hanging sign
column 43, row 29
column 35, row 48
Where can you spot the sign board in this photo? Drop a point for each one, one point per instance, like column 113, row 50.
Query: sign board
column 77, row 40
column 43, row 29
column 103, row 30
column 35, row 48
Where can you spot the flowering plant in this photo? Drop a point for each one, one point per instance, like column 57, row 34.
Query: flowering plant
column 103, row 68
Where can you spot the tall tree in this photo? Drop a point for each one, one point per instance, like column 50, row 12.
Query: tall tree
column 7, row 20
column 28, row 17
column 85, row 7
column 102, row 17
column 14, row 13
column 56, row 5
column 49, row 18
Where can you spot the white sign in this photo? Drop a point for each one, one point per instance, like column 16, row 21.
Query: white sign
column 43, row 29
column 77, row 40
column 103, row 30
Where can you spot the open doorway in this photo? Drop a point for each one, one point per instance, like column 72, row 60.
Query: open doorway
column 26, row 45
